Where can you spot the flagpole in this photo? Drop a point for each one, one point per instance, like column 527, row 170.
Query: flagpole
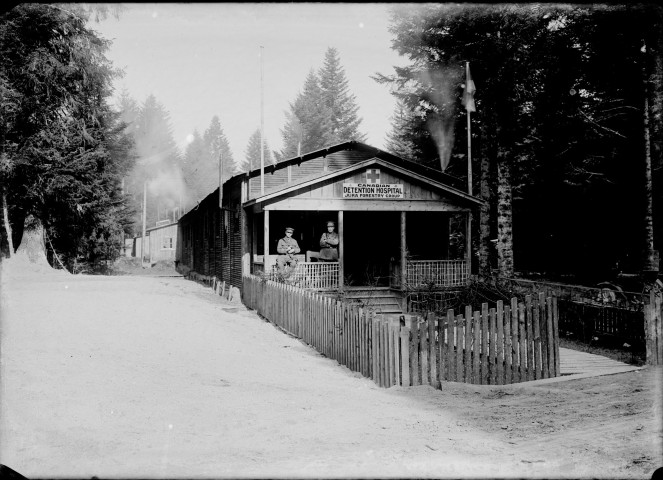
column 262, row 126
column 469, row 138
column 468, row 224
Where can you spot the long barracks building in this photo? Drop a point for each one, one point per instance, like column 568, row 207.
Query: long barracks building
column 393, row 219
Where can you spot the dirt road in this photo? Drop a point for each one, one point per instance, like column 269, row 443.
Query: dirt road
column 158, row 377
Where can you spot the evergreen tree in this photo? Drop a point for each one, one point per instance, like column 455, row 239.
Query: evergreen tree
column 201, row 162
column 308, row 123
column 158, row 165
column 324, row 113
column 63, row 150
column 399, row 139
column 218, row 149
column 129, row 111
column 339, row 102
column 193, row 171
column 559, row 101
column 252, row 153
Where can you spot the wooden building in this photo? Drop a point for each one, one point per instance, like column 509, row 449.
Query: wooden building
column 392, row 215
column 161, row 244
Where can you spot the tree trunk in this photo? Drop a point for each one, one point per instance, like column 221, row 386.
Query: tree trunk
column 504, row 216
column 654, row 77
column 484, row 215
column 32, row 245
column 651, row 255
column 8, row 228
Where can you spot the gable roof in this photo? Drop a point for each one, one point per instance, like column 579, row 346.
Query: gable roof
column 353, row 152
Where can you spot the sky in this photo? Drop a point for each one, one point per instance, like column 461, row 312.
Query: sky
column 201, row 60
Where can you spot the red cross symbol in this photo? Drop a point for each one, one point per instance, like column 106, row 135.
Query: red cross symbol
column 372, row 175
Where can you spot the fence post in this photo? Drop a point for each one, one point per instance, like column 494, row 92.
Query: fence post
column 476, row 348
column 551, row 337
column 653, row 330
column 485, row 357
column 515, row 351
column 376, row 350
column 543, row 324
column 405, row 355
column 508, row 348
column 530, row 337
column 432, row 355
column 423, row 353
column 414, row 351
column 369, row 342
column 492, row 347
column 451, row 357
column 384, row 342
column 395, row 351
column 500, row 342
column 522, row 342
column 537, row 336
column 441, row 350
column 467, row 345
column 459, row 349
column 555, row 320
column 362, row 341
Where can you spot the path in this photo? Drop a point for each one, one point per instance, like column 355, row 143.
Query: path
column 575, row 364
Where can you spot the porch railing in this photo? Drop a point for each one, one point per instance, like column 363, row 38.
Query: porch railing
column 437, row 273
column 309, row 275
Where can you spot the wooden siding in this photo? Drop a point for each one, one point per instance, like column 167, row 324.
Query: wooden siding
column 211, row 243
column 328, row 195
column 158, row 251
column 277, row 178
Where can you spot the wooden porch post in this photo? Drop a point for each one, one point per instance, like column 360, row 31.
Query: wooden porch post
column 247, row 238
column 468, row 243
column 266, row 241
column 403, row 259
column 254, row 237
column 341, row 251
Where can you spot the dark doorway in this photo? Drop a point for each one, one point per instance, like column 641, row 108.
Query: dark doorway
column 370, row 241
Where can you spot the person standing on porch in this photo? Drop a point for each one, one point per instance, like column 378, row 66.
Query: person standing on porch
column 329, row 244
column 287, row 249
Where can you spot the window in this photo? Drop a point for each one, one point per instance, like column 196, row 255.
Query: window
column 167, row 243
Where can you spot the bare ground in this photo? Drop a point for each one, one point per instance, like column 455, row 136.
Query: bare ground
column 157, row 377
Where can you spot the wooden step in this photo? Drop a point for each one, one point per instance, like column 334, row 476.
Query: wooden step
column 379, row 299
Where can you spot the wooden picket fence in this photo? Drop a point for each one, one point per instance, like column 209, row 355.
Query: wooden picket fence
column 507, row 344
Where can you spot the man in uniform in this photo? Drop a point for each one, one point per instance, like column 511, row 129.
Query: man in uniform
column 287, row 249
column 329, row 244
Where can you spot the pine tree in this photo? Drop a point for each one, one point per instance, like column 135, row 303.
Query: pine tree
column 129, row 110
column 194, row 154
column 309, row 113
column 399, row 139
column 218, row 149
column 158, row 164
column 252, row 153
column 338, row 100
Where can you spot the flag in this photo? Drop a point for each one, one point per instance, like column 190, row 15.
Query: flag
column 468, row 92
